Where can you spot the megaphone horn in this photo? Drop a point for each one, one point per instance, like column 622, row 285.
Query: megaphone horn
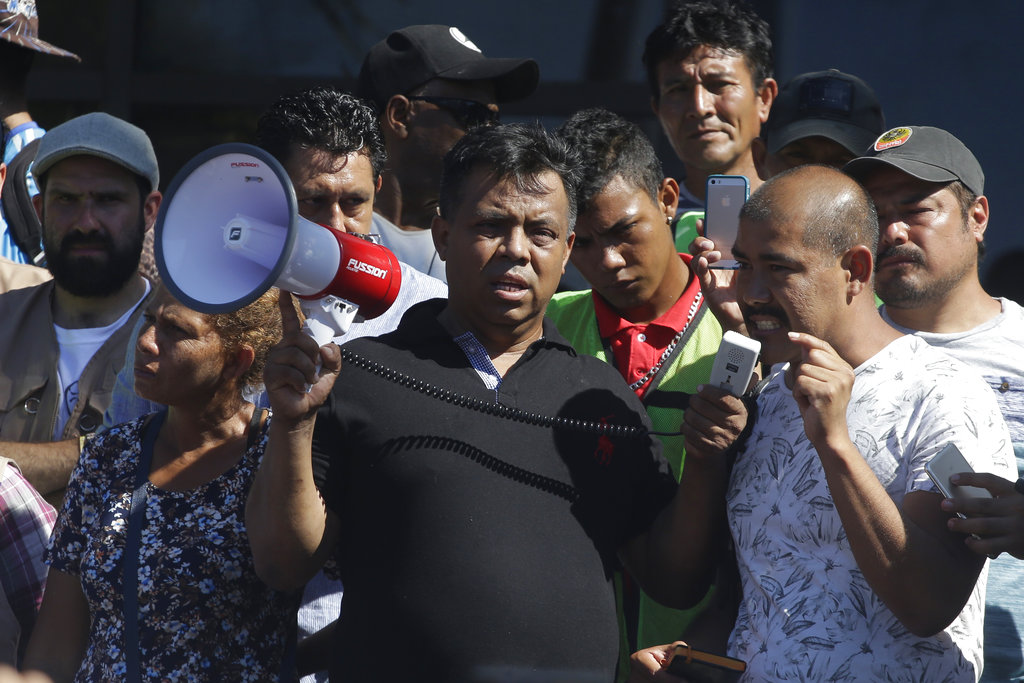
column 228, row 230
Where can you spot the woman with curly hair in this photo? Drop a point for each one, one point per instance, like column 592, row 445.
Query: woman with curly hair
column 151, row 575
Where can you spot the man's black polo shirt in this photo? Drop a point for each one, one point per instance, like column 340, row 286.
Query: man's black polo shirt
column 472, row 542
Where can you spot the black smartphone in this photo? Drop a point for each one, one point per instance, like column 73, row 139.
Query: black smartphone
column 698, row 666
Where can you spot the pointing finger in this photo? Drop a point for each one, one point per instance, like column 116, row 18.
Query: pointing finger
column 289, row 318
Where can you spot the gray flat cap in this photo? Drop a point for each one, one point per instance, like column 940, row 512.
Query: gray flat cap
column 99, row 135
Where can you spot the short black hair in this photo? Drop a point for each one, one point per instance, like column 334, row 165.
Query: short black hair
column 844, row 215
column 727, row 25
column 322, row 118
column 516, row 152
column 609, row 146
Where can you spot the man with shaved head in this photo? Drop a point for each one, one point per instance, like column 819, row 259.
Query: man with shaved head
column 848, row 569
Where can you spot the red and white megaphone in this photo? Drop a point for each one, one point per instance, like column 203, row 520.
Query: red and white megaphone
column 229, row 229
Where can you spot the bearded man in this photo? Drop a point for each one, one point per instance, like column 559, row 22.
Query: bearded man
column 64, row 340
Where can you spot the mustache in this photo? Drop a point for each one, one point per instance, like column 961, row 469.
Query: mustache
column 900, row 251
column 92, row 240
column 767, row 311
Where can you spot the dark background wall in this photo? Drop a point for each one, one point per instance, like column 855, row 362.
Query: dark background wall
column 195, row 73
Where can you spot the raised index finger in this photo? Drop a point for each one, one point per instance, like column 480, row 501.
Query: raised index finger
column 289, row 318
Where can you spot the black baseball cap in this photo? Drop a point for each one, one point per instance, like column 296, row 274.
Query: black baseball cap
column 829, row 104
column 926, row 153
column 411, row 56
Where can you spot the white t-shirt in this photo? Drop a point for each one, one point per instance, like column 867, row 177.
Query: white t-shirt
column 413, row 247
column 77, row 347
column 807, row 611
column 996, row 350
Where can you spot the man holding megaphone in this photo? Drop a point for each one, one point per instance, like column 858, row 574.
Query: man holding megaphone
column 312, row 133
column 481, row 479
column 329, row 144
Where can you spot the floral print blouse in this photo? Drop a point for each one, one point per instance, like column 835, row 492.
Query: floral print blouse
column 204, row 615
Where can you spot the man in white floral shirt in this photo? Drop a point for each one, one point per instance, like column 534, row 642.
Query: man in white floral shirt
column 849, row 571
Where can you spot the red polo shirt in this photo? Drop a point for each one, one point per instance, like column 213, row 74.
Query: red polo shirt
column 637, row 348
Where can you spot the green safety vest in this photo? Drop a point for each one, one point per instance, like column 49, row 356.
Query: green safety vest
column 574, row 314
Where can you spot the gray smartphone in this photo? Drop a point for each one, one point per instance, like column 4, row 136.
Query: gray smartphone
column 945, row 464
column 724, row 196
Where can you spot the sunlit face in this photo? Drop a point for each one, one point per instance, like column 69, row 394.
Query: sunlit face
column 179, row 357
column 810, row 150
column 93, row 224
column 710, row 108
column 927, row 247
column 624, row 249
column 505, row 251
column 333, row 190
column 783, row 285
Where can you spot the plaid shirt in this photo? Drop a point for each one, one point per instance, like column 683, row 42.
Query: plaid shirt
column 477, row 356
column 26, row 520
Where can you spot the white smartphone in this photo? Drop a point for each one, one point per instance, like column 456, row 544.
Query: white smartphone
column 724, row 197
column 734, row 363
column 945, row 464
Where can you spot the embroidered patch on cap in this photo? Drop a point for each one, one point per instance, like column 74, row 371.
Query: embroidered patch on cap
column 892, row 138
column 462, row 39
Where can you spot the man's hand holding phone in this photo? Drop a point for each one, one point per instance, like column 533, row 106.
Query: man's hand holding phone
column 713, row 422
column 678, row 662
column 718, row 286
column 713, row 263
column 993, row 525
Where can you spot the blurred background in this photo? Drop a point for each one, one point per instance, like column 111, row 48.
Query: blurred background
column 194, row 73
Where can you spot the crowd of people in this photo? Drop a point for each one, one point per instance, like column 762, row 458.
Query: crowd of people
column 504, row 478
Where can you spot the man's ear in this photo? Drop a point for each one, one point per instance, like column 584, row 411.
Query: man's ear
column 440, row 230
column 977, row 218
column 151, row 207
column 859, row 263
column 668, row 198
column 397, row 115
column 571, row 240
column 766, row 94
column 37, row 203
column 3, row 175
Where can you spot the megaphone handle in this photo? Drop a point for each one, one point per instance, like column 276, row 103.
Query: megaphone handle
column 321, row 333
column 326, row 318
